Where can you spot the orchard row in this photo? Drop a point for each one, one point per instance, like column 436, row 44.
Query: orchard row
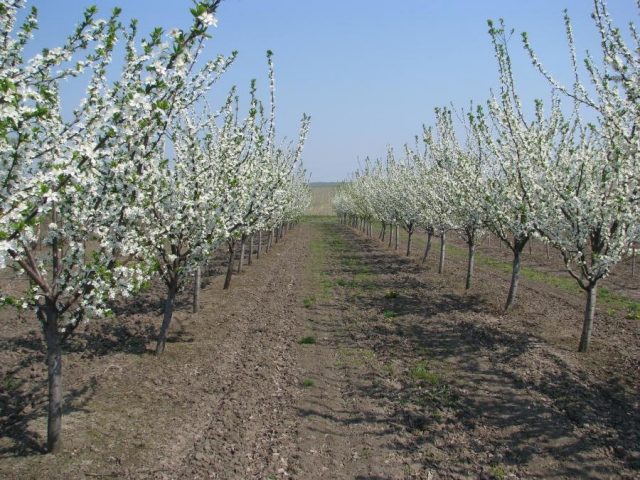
column 141, row 178
column 552, row 175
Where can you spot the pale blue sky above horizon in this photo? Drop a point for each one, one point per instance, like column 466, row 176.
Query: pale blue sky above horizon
column 368, row 72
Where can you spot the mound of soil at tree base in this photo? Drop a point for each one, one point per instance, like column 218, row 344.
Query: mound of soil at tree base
column 407, row 376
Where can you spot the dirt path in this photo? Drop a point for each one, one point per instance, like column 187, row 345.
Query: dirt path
column 330, row 358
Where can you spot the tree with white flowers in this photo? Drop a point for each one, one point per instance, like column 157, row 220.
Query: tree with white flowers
column 400, row 176
column 461, row 171
column 78, row 178
column 434, row 203
column 591, row 188
column 258, row 188
column 514, row 145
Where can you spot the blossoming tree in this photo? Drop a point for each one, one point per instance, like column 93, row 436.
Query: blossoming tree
column 77, row 178
column 592, row 187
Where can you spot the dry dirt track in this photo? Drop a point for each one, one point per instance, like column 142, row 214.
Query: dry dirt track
column 408, row 379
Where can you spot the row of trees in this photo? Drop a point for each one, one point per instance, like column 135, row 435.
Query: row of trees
column 552, row 175
column 91, row 207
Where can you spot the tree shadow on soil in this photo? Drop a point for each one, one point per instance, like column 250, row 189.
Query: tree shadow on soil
column 23, row 391
column 476, row 392
column 26, row 403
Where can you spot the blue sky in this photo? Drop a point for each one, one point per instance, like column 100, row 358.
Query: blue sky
column 368, row 72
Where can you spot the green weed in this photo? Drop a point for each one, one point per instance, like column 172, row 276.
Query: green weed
column 389, row 368
column 498, row 472
column 421, row 371
column 10, row 383
column 310, row 340
column 390, row 314
column 308, row 382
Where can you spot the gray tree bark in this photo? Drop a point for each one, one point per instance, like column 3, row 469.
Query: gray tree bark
column 196, row 289
column 227, row 280
column 172, row 289
column 470, row 263
column 443, row 240
column 243, row 242
column 515, row 278
column 54, row 377
column 589, row 313
column 428, row 247
column 396, row 242
column 259, row 244
column 410, row 234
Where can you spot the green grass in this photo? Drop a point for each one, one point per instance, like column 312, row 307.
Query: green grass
column 617, row 302
column 309, row 340
column 10, row 383
column 319, row 251
column 356, row 274
column 309, row 302
column 389, row 369
column 613, row 302
column 391, row 294
column 421, row 371
column 357, row 357
column 498, row 472
column 390, row 314
column 308, row 382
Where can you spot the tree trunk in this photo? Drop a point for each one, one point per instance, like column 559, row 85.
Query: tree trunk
column 277, row 234
column 243, row 242
column 396, row 242
column 589, row 313
column 249, row 259
column 515, row 277
column 390, row 235
column 633, row 261
column 470, row 263
column 259, row 244
column 227, row 280
column 428, row 247
column 54, row 374
column 410, row 233
column 443, row 240
column 39, row 237
column 547, row 251
column 168, row 314
column 383, row 231
column 196, row 290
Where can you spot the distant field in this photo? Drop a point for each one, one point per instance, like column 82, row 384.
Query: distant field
column 321, row 195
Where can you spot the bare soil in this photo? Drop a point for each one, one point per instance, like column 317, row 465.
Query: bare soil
column 401, row 375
